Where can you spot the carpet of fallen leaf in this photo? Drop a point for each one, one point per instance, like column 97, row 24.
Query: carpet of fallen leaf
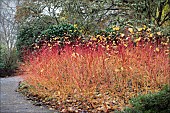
column 97, row 102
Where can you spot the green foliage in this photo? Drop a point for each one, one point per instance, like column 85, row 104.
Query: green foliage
column 164, row 30
column 98, row 14
column 61, row 30
column 8, row 61
column 101, row 32
column 151, row 103
column 28, row 34
column 37, row 31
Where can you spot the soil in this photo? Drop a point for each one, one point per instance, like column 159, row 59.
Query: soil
column 14, row 102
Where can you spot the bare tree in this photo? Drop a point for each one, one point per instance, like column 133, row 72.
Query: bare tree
column 8, row 35
column 8, row 25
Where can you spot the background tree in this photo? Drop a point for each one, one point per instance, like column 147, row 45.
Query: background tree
column 98, row 14
column 151, row 11
column 34, row 16
column 8, row 36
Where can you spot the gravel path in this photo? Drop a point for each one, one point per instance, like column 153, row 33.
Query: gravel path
column 13, row 102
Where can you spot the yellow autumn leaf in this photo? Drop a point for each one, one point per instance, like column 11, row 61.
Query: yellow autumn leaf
column 148, row 30
column 106, row 59
column 97, row 36
column 100, row 37
column 157, row 49
column 150, row 35
column 67, row 37
column 164, row 43
column 55, row 38
column 73, row 55
column 125, row 45
column 75, row 25
column 139, row 29
column 130, row 68
column 90, row 43
column 49, row 44
column 109, row 37
column 115, row 28
column 93, row 38
column 114, row 43
column 122, row 35
column 130, row 30
column 158, row 33
column 107, row 47
column 144, row 26
column 63, row 18
column 137, row 40
column 104, row 39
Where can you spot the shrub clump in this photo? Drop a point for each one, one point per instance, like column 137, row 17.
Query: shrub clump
column 36, row 35
column 98, row 75
column 95, row 77
column 8, row 61
column 61, row 30
column 151, row 103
